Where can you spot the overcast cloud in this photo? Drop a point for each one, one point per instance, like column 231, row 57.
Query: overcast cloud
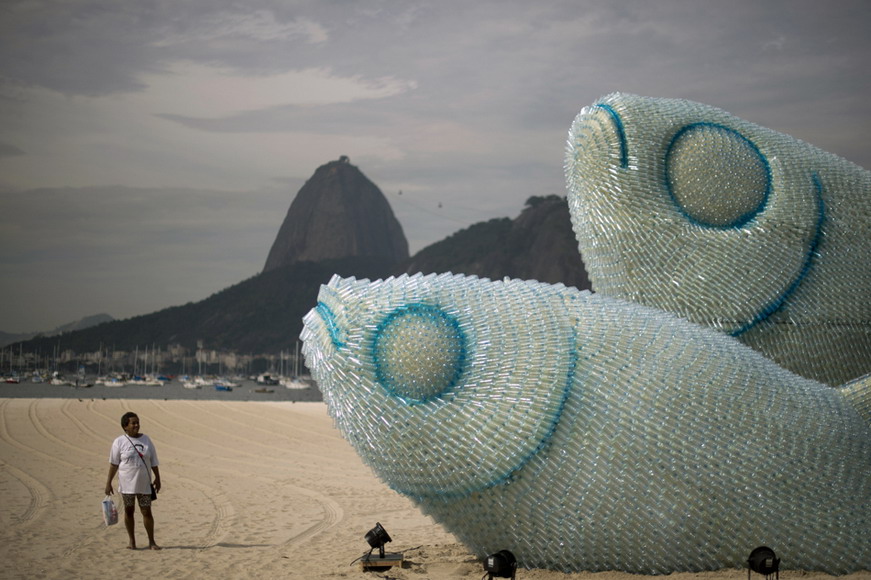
column 149, row 150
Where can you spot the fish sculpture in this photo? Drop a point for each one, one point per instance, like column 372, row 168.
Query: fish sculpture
column 684, row 207
column 583, row 432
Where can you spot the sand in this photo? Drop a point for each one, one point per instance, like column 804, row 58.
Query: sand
column 250, row 490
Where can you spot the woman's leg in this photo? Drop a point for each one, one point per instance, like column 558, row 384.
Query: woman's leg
column 148, row 520
column 129, row 511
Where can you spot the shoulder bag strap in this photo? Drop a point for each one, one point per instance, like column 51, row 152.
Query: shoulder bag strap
column 142, row 457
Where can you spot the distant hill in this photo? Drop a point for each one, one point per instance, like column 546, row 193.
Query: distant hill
column 260, row 315
column 86, row 322
column 7, row 338
column 338, row 213
column 538, row 245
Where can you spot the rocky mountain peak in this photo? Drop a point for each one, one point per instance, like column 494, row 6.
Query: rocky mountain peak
column 338, row 213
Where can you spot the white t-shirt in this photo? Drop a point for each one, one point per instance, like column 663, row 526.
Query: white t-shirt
column 133, row 476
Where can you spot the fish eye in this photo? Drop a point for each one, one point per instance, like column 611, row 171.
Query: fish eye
column 716, row 176
column 419, row 352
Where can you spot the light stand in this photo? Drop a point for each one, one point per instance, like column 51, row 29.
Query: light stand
column 763, row 561
column 501, row 564
column 376, row 538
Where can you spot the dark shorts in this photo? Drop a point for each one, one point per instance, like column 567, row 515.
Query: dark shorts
column 143, row 498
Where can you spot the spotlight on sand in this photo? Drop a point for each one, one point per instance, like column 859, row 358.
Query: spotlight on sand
column 501, row 564
column 376, row 538
column 763, row 561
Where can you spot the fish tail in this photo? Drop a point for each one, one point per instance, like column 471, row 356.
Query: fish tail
column 858, row 393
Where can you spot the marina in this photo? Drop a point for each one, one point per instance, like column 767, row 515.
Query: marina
column 204, row 388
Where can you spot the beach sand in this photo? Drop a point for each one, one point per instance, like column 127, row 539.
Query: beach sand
column 250, row 490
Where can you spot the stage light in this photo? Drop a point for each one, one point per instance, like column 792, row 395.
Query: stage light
column 377, row 537
column 501, row 564
column 763, row 561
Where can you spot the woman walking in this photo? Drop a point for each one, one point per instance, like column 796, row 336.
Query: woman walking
column 133, row 457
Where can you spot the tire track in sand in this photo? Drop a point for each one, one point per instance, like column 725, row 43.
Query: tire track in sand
column 333, row 514
column 219, row 423
column 332, row 511
column 6, row 436
column 81, row 425
column 40, row 427
column 39, row 494
column 225, row 514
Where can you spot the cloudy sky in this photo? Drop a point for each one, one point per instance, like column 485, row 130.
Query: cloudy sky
column 149, row 149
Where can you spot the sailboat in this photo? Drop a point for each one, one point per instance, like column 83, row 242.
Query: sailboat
column 295, row 381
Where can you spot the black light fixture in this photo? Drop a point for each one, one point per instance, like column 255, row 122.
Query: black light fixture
column 377, row 537
column 763, row 561
column 501, row 564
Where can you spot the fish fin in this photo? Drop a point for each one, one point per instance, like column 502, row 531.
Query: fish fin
column 858, row 393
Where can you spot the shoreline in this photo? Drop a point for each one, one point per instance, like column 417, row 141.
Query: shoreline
column 173, row 390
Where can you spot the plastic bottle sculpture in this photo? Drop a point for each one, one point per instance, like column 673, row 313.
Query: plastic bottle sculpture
column 583, row 432
column 684, row 207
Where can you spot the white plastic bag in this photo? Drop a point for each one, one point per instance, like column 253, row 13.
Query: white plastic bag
column 110, row 512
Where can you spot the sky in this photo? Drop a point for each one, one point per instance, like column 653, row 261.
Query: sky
column 149, row 150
